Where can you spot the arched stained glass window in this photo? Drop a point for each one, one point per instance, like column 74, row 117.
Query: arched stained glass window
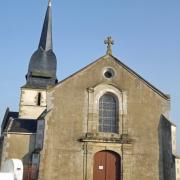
column 108, row 117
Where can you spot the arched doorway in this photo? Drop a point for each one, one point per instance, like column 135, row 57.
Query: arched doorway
column 106, row 166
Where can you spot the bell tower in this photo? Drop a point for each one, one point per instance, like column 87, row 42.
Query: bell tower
column 41, row 73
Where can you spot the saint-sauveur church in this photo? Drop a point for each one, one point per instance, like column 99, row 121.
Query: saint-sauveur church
column 104, row 122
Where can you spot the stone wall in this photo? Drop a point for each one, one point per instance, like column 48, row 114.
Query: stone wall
column 18, row 146
column 29, row 107
column 71, row 134
column 177, row 168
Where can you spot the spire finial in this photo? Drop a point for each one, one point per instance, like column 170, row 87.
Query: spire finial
column 49, row 2
column 109, row 41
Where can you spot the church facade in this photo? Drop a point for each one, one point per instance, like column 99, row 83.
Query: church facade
column 104, row 122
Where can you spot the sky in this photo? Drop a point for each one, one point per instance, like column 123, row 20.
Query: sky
column 146, row 35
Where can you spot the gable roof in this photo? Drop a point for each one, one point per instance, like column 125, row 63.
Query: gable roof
column 8, row 114
column 165, row 96
column 21, row 126
column 11, row 123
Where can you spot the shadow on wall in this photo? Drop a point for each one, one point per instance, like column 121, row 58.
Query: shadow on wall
column 166, row 158
column 29, row 171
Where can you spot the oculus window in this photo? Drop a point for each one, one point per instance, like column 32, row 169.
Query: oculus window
column 109, row 73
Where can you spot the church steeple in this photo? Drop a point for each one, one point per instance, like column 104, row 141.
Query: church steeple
column 46, row 35
column 42, row 66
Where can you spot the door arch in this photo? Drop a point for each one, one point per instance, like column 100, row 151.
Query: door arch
column 107, row 166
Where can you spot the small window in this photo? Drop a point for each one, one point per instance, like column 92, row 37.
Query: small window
column 109, row 73
column 108, row 118
column 39, row 99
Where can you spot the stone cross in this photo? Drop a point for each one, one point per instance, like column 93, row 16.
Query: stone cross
column 109, row 41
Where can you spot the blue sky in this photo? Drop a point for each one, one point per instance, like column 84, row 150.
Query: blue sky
column 146, row 34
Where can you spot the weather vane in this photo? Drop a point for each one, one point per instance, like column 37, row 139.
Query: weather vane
column 109, row 41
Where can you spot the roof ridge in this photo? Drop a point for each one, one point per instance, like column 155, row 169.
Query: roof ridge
column 167, row 97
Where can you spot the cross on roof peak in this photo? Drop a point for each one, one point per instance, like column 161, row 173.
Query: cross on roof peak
column 109, row 41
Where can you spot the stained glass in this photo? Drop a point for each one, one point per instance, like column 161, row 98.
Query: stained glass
column 108, row 114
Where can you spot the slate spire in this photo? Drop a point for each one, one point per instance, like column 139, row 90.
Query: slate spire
column 46, row 36
column 43, row 63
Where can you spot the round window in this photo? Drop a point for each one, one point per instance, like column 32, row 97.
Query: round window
column 109, row 73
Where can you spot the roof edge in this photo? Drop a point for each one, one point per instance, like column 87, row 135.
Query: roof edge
column 73, row 74
column 168, row 120
column 166, row 97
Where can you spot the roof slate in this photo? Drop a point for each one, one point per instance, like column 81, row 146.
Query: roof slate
column 7, row 116
column 23, row 126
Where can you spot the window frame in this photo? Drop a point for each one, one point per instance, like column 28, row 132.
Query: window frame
column 93, row 96
column 101, row 127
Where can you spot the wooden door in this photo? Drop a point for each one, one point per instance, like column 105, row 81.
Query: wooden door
column 106, row 166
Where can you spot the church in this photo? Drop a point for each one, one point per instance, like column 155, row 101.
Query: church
column 104, row 122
